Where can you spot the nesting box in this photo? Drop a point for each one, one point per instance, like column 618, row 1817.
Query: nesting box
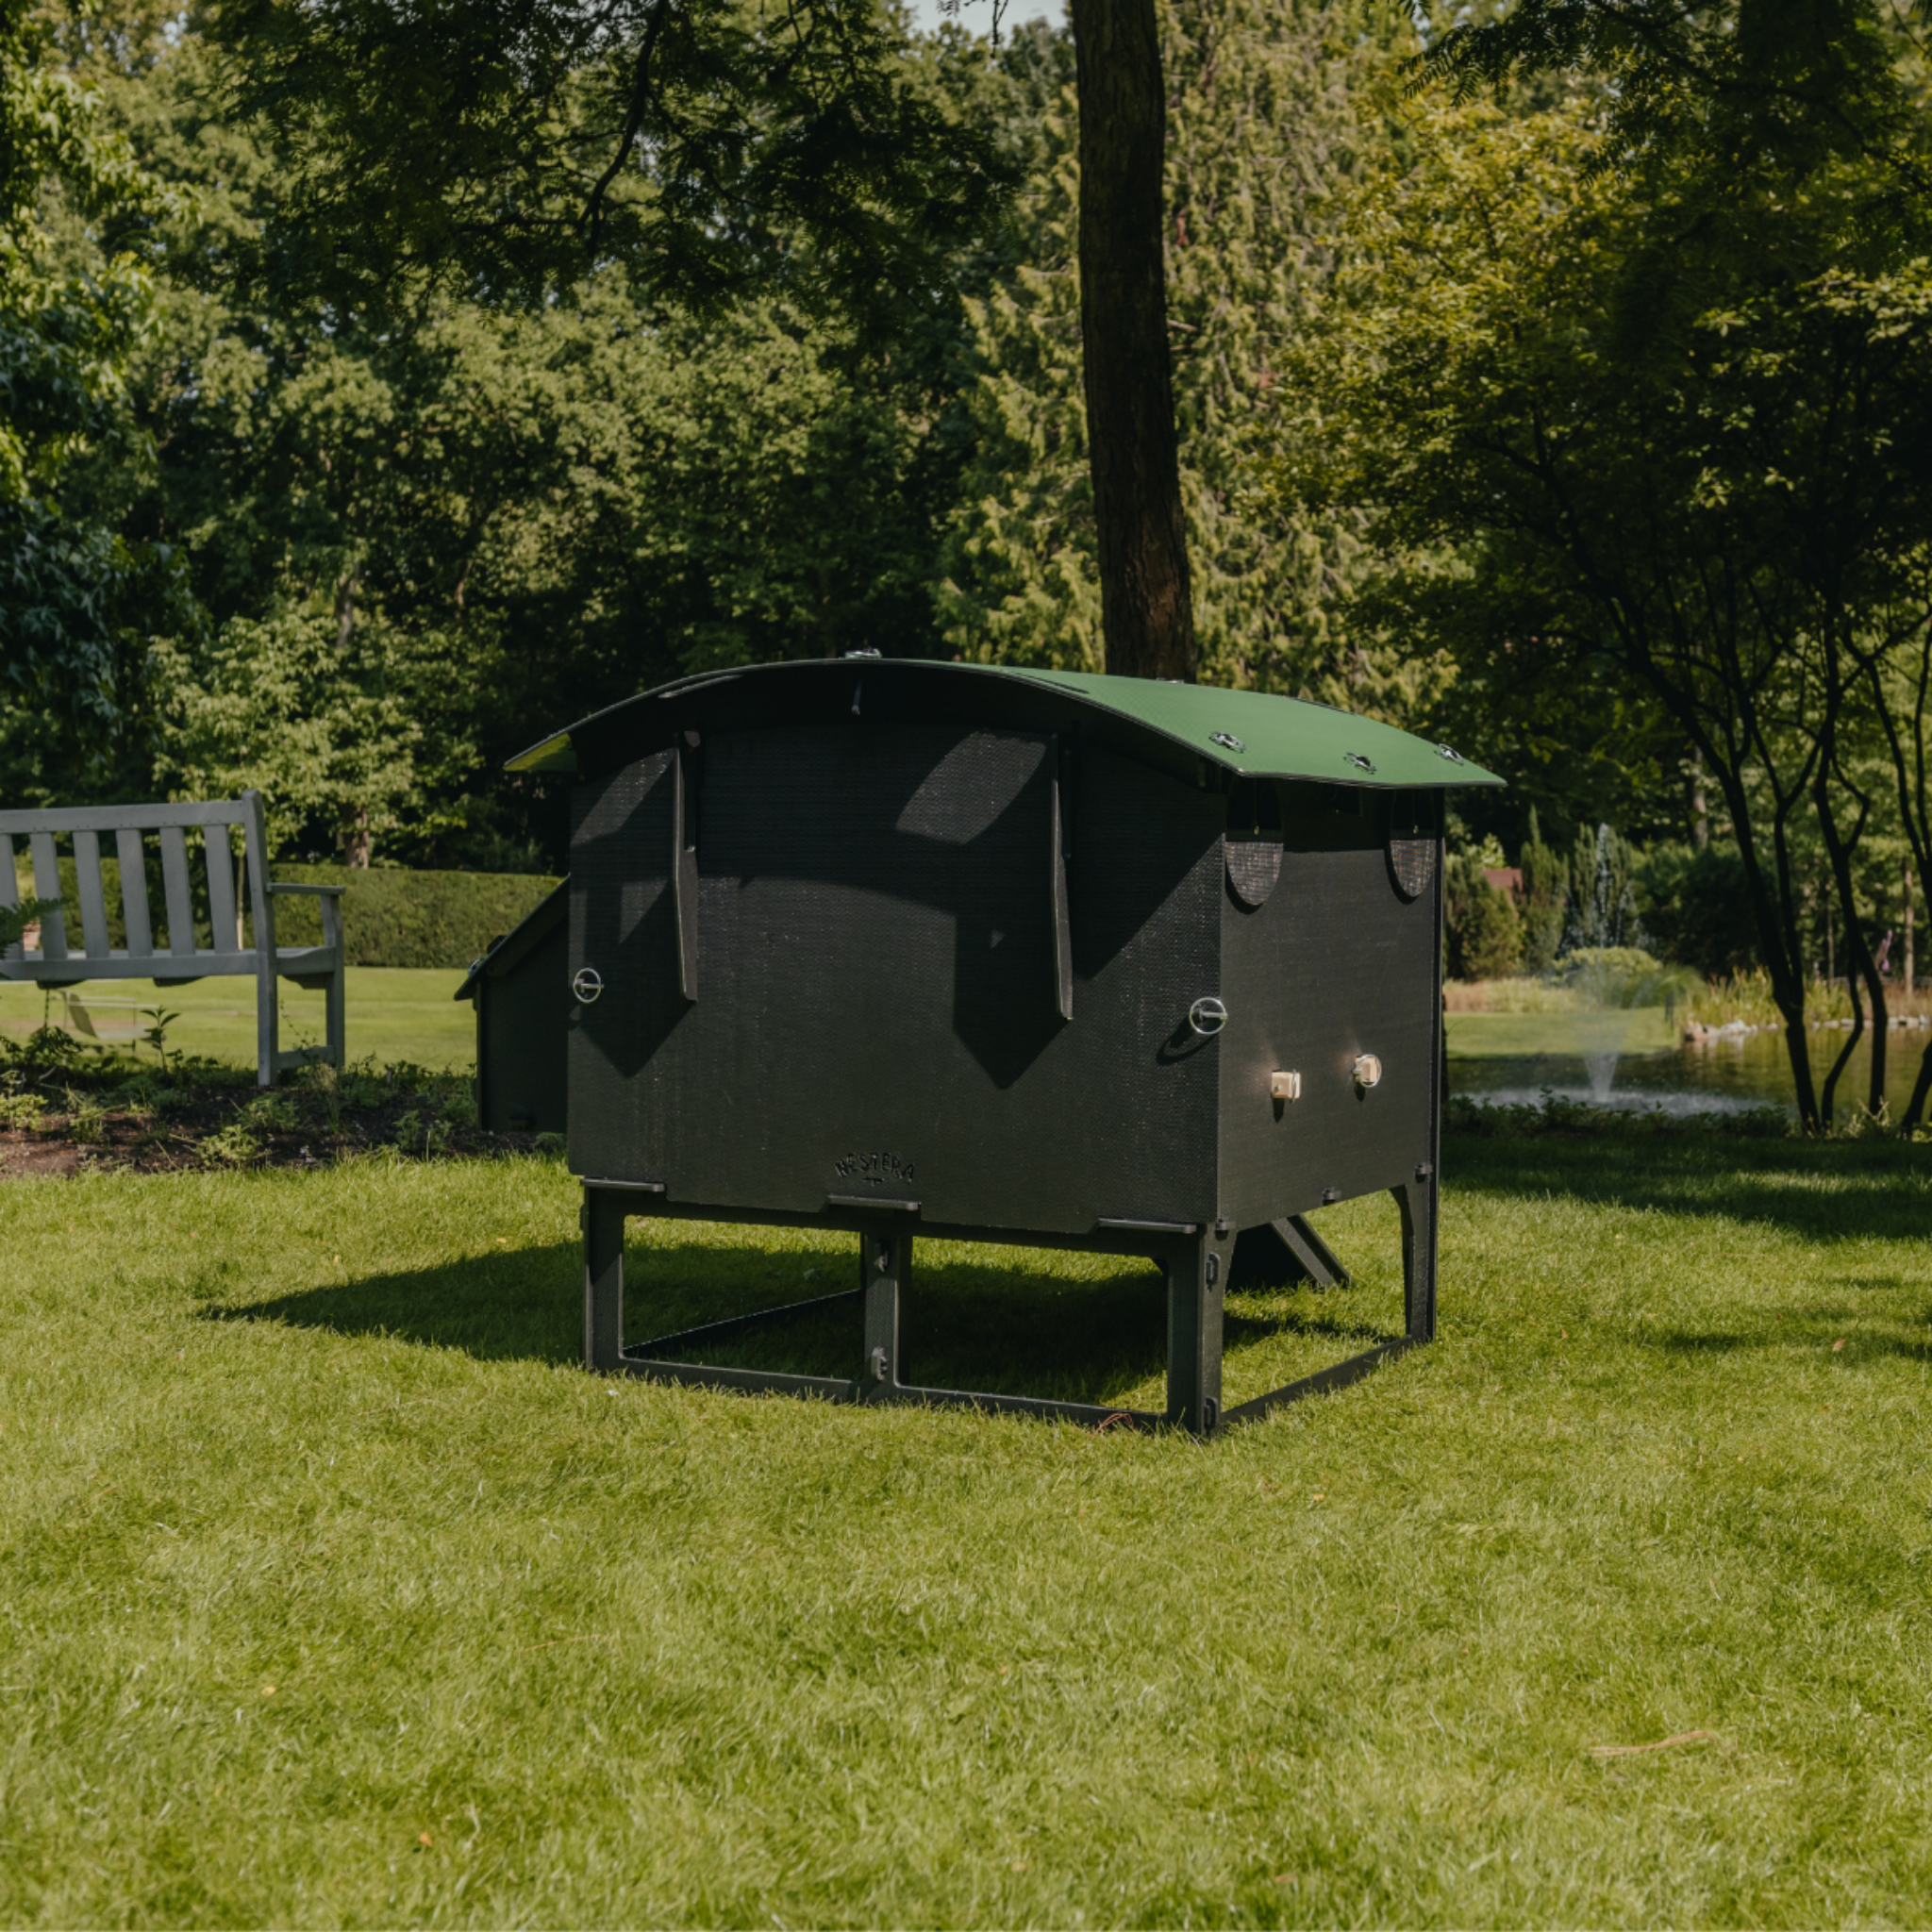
column 993, row 954
column 521, row 990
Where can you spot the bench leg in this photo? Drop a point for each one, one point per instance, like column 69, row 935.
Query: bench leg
column 335, row 1033
column 266, row 1012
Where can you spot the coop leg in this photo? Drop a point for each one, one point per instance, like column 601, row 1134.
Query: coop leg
column 603, row 1219
column 1194, row 1288
column 1417, row 1200
column 884, row 1267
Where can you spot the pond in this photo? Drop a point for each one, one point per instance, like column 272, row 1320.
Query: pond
column 1509, row 1059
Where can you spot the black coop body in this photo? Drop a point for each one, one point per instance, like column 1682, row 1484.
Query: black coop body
column 906, row 948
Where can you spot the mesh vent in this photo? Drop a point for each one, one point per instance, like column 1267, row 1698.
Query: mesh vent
column 1254, row 840
column 1253, row 865
column 1413, row 862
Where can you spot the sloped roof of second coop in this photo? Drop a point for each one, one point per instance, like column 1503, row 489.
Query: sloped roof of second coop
column 1254, row 733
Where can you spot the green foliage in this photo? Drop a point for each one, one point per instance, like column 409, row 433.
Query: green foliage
column 155, row 1032
column 14, row 920
column 1545, row 900
column 1266, row 116
column 322, row 723
column 1485, row 932
column 1696, row 907
column 1601, row 910
column 426, row 537
column 1791, row 86
column 234, row 1146
column 391, row 917
column 77, row 601
column 715, row 149
column 1578, row 1120
column 1659, row 429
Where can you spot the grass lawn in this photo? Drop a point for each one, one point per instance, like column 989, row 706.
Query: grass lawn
column 1477, row 1035
column 331, row 1593
column 393, row 1013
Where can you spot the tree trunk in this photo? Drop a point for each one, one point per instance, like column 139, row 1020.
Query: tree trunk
column 1910, row 965
column 1828, row 1105
column 1146, row 607
column 1859, row 964
column 1779, row 941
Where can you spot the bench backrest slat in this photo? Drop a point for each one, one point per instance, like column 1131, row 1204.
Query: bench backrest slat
column 47, row 886
column 93, row 899
column 174, row 842
column 220, row 887
column 134, row 891
column 111, row 818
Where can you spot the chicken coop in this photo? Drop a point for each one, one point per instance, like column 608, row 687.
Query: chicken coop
column 912, row 949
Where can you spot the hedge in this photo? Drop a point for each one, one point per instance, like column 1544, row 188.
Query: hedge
column 393, row 917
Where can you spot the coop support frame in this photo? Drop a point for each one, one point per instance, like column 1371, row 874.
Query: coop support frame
column 1195, row 1259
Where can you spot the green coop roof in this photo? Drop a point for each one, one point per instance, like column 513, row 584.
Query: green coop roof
column 1275, row 736
column 1249, row 732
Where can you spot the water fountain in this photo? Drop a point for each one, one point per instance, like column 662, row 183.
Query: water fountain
column 1604, row 964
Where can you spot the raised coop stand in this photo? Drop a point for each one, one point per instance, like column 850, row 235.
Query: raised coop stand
column 58, row 963
column 1199, row 1266
column 912, row 949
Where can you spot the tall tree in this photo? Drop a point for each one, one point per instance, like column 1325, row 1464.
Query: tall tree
column 1269, row 112
column 1146, row 601
column 1679, row 454
column 1759, row 113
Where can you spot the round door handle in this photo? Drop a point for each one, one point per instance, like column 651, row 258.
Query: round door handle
column 586, row 982
column 1368, row 1071
column 1208, row 1016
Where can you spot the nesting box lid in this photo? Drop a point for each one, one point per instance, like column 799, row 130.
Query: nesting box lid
column 1250, row 733
column 512, row 948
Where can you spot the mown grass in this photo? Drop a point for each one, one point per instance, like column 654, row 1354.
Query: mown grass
column 391, row 1013
column 331, row 1593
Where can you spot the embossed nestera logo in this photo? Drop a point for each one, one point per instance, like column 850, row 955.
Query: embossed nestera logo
column 875, row 1170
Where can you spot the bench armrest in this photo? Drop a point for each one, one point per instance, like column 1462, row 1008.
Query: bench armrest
column 313, row 891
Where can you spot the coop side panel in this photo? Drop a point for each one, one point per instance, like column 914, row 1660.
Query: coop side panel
column 876, row 1013
column 523, row 1019
column 1337, row 962
column 623, row 923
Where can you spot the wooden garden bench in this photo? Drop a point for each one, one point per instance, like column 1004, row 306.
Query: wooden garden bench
column 58, row 963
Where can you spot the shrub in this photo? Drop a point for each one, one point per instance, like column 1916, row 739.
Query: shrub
column 393, row 917
column 1545, row 900
column 233, row 1146
column 1697, row 907
column 1485, row 933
